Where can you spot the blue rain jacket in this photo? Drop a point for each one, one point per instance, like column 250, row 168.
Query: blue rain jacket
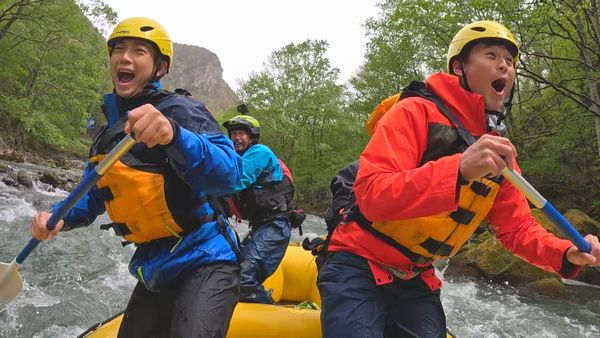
column 260, row 166
column 204, row 159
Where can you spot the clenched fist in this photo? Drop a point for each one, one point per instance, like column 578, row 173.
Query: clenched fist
column 149, row 126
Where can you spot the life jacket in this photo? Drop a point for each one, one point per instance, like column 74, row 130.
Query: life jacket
column 254, row 208
column 286, row 171
column 141, row 193
column 421, row 239
column 273, row 198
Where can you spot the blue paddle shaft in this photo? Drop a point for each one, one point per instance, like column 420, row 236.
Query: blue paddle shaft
column 81, row 189
column 548, row 209
column 566, row 228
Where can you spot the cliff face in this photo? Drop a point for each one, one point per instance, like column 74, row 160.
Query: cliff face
column 199, row 71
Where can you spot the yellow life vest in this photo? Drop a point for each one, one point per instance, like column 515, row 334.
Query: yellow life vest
column 136, row 203
column 442, row 235
column 142, row 204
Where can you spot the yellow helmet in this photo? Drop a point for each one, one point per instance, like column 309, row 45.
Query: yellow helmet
column 145, row 29
column 481, row 30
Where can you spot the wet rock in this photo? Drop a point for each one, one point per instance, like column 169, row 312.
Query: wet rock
column 491, row 261
column 550, row 287
column 484, row 257
column 9, row 181
column 582, row 222
column 12, row 156
column 50, row 178
column 4, row 168
column 24, row 179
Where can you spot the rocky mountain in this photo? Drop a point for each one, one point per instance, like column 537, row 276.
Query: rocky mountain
column 199, row 71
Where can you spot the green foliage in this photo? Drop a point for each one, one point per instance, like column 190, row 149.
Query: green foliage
column 301, row 110
column 556, row 105
column 52, row 69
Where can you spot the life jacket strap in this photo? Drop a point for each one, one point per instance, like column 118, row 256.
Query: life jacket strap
column 480, row 188
column 354, row 214
column 462, row 216
column 407, row 275
column 106, row 194
column 120, row 229
column 436, row 248
column 217, row 205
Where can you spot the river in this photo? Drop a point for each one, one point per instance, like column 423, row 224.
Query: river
column 81, row 278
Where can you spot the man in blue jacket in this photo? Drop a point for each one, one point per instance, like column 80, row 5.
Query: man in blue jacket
column 159, row 195
column 264, row 198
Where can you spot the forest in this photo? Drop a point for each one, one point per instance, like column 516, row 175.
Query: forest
column 53, row 71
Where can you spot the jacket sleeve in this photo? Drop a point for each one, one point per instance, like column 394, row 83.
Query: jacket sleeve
column 254, row 162
column 85, row 211
column 200, row 153
column 521, row 234
column 390, row 185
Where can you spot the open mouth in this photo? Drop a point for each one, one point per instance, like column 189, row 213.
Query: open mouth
column 125, row 76
column 499, row 85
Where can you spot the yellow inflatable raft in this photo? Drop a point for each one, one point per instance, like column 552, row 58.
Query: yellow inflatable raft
column 293, row 283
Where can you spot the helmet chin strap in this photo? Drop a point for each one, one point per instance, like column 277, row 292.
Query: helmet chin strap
column 502, row 115
column 463, row 79
column 155, row 69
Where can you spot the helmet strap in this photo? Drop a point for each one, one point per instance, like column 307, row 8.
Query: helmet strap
column 463, row 78
column 159, row 58
column 507, row 106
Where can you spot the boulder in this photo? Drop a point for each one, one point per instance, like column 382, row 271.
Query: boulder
column 24, row 179
column 50, row 178
column 484, row 257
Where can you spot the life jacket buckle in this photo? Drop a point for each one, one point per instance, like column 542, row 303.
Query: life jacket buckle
column 404, row 275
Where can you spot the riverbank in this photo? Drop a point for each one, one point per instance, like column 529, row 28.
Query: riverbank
column 14, row 149
column 22, row 164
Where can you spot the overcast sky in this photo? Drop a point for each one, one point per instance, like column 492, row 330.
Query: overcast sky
column 244, row 33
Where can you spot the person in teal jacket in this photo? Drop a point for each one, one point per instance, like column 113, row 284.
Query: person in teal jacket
column 161, row 195
column 264, row 198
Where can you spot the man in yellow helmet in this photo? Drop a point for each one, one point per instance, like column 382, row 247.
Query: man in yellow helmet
column 427, row 178
column 160, row 194
column 264, row 197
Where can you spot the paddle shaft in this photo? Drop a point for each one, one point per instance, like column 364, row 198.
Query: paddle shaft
column 81, row 189
column 548, row 209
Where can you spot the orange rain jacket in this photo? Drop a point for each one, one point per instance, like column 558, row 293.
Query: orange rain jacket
column 390, row 186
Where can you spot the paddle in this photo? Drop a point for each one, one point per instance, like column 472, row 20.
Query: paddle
column 10, row 280
column 548, row 209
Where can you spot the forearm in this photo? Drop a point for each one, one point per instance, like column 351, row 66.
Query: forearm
column 205, row 161
column 520, row 233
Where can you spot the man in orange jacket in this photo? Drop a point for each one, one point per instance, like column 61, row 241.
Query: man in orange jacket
column 423, row 188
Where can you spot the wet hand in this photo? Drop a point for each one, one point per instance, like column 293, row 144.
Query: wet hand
column 149, row 125
column 581, row 258
column 487, row 156
column 38, row 227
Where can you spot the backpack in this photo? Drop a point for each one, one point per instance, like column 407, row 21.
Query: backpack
column 296, row 216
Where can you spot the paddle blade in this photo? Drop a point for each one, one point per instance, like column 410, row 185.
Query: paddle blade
column 10, row 282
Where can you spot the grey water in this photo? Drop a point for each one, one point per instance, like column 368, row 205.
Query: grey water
column 81, row 278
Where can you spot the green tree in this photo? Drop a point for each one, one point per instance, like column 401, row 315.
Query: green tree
column 554, row 119
column 53, row 66
column 299, row 104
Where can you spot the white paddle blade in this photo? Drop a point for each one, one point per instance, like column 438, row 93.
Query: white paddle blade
column 10, row 282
